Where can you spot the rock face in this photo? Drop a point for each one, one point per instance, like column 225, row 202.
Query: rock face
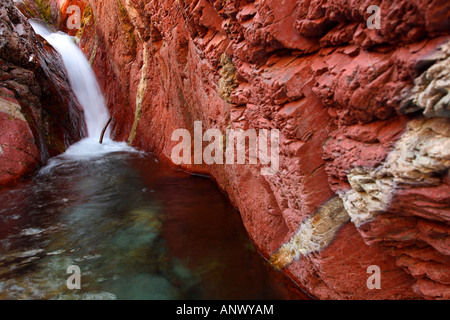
column 362, row 114
column 39, row 113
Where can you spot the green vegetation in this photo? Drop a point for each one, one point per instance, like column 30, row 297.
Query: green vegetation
column 88, row 16
column 45, row 10
column 127, row 27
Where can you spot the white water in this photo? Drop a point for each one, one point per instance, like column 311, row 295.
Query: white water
column 87, row 90
column 81, row 77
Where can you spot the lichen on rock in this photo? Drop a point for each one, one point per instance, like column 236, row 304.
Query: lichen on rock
column 314, row 234
column 431, row 92
column 228, row 80
column 45, row 10
column 420, row 159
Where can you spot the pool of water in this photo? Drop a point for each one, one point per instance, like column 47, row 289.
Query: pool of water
column 137, row 230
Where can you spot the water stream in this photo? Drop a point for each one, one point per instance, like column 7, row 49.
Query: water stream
column 81, row 77
column 137, row 229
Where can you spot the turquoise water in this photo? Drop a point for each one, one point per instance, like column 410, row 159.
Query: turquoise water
column 137, row 230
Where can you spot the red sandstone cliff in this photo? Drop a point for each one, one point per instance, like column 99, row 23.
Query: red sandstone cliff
column 39, row 114
column 363, row 116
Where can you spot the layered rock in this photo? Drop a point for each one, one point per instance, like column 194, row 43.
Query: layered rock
column 40, row 116
column 362, row 114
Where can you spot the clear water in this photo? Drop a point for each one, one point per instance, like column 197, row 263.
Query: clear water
column 136, row 229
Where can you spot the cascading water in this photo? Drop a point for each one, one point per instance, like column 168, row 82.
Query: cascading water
column 81, row 77
column 87, row 90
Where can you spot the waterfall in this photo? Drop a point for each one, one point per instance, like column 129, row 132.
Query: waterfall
column 87, row 90
column 81, row 77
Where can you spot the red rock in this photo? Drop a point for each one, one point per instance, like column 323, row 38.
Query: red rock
column 19, row 155
column 340, row 270
column 313, row 70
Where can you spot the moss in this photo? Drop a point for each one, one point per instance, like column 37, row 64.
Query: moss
column 123, row 11
column 45, row 10
column 28, row 9
column 127, row 27
column 88, row 16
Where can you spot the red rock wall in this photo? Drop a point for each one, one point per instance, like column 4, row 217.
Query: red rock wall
column 363, row 117
column 39, row 113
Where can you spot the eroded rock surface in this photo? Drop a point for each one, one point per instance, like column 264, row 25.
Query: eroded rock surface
column 362, row 115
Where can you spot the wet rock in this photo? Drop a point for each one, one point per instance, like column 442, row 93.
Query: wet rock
column 39, row 113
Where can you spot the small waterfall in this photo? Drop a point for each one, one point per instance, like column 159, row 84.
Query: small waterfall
column 81, row 77
column 87, row 90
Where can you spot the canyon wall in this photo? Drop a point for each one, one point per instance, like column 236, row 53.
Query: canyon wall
column 363, row 116
column 39, row 114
